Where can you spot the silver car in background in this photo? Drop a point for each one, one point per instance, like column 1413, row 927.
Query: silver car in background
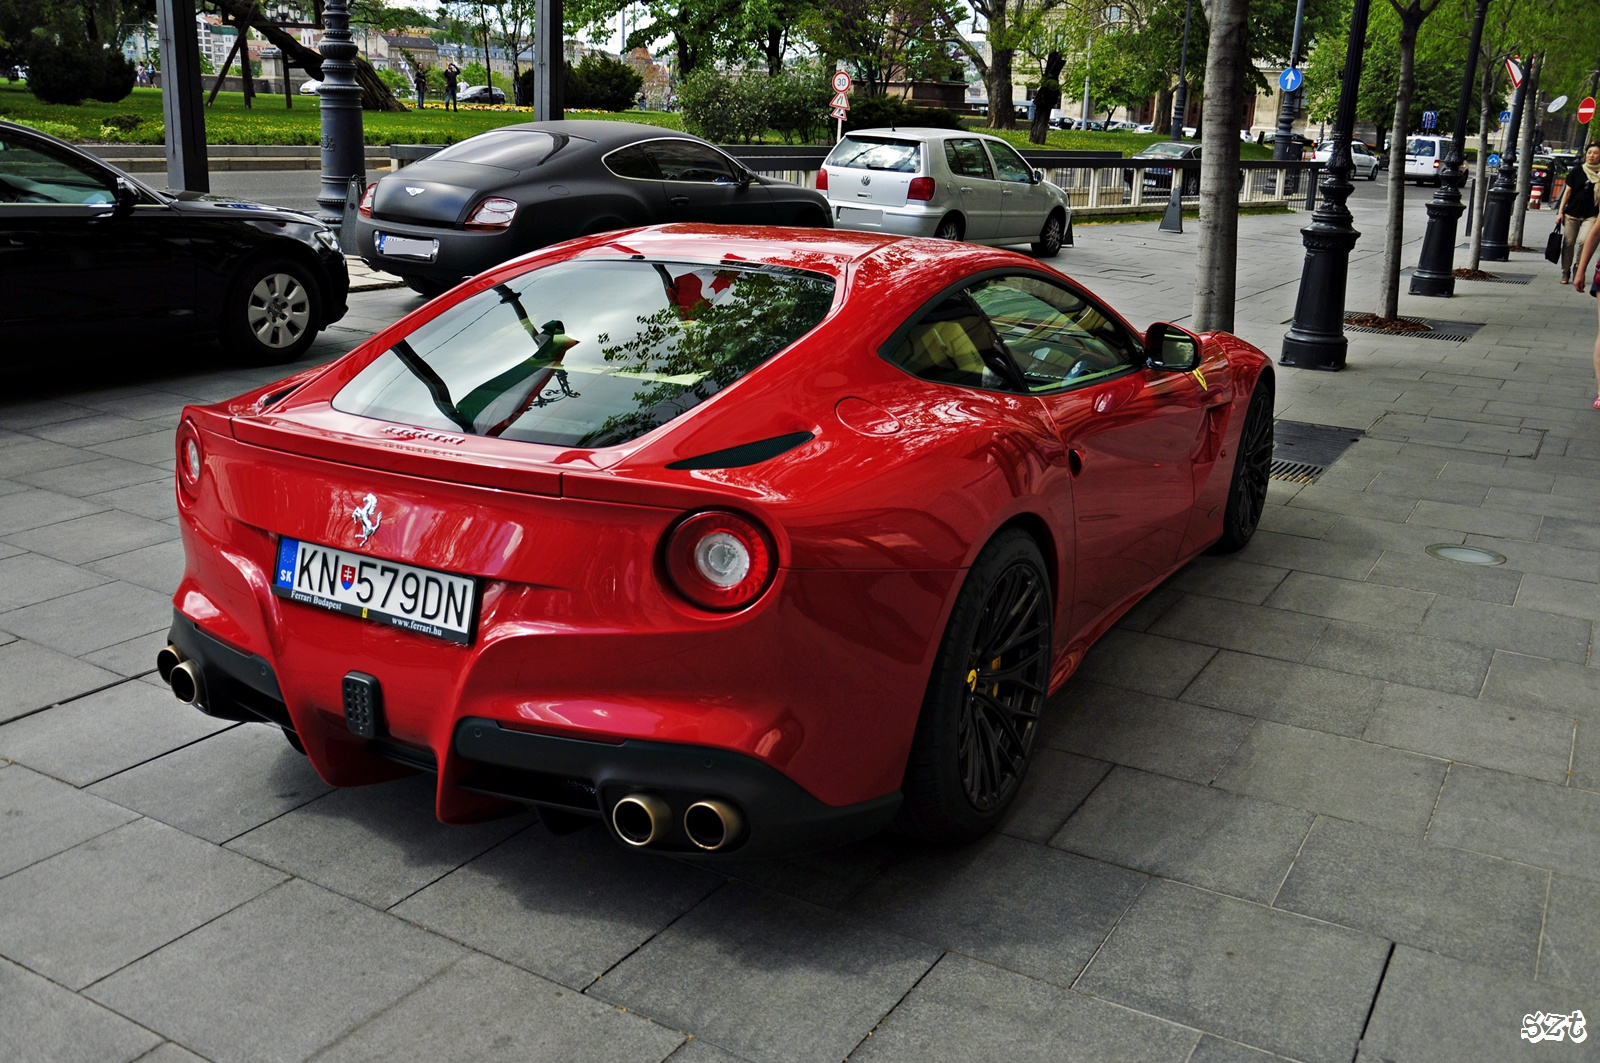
column 945, row 183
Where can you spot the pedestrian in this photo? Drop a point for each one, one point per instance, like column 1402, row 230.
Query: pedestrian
column 1578, row 207
column 451, row 74
column 422, row 86
column 1590, row 243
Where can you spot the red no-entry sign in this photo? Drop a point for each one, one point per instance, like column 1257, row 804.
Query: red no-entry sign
column 1586, row 110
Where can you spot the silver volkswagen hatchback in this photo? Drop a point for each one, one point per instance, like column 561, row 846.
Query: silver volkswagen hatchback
column 945, row 183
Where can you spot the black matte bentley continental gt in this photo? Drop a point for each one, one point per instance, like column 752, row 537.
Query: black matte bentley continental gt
column 521, row 187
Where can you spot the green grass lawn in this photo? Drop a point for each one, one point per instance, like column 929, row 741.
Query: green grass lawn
column 269, row 122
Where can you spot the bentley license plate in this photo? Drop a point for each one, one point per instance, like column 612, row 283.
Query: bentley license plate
column 418, row 599
column 407, row 247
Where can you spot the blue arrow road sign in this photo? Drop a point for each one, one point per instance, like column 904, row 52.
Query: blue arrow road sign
column 1290, row 79
column 1430, row 119
column 1505, row 116
column 1494, row 160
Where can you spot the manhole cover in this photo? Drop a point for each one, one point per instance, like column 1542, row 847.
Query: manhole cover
column 1465, row 555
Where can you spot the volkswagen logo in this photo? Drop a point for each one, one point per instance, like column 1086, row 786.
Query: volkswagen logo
column 866, row 180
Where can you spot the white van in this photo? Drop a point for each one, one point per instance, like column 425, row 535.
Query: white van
column 1424, row 157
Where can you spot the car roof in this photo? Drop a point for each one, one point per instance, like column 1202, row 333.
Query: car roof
column 921, row 133
column 605, row 134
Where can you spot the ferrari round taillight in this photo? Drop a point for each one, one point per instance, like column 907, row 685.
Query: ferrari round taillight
column 719, row 560
column 365, row 210
column 822, row 179
column 191, row 459
column 493, row 213
column 920, row 188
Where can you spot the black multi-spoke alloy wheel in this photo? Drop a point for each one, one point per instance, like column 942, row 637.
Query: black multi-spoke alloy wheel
column 1049, row 243
column 1251, row 467
column 981, row 712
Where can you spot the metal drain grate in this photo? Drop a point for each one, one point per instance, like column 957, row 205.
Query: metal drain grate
column 1498, row 278
column 1300, row 451
column 1455, row 331
column 1295, row 472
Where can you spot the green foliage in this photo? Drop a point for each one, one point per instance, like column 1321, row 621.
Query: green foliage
column 114, row 76
column 398, row 83
column 60, row 130
column 122, row 123
column 600, row 83
column 475, row 74
column 61, row 73
column 875, row 112
column 797, row 103
column 885, row 40
column 724, row 109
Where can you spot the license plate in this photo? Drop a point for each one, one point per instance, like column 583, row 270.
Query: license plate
column 407, row 247
column 859, row 216
column 417, row 599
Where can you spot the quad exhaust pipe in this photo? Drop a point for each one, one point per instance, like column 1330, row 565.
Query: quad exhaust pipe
column 643, row 819
column 181, row 674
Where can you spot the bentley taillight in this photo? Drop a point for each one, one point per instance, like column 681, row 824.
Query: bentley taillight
column 365, row 210
column 921, row 188
column 719, row 560
column 493, row 213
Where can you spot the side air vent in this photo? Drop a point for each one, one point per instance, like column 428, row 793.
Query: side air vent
column 746, row 453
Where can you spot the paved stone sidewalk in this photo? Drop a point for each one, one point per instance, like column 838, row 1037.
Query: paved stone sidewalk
column 1327, row 799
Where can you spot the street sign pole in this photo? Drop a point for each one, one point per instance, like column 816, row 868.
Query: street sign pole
column 840, row 106
column 1172, row 220
column 1435, row 273
column 1289, row 87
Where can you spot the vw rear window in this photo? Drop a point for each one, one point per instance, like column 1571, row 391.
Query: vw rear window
column 875, row 153
column 588, row 354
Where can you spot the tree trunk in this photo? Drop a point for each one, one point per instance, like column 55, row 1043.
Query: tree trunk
column 1217, row 262
column 1530, row 119
column 774, row 50
column 1161, row 121
column 1395, row 222
column 997, row 80
column 375, row 95
column 1046, row 99
column 1480, row 167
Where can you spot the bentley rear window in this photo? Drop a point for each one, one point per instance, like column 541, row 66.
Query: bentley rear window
column 513, row 149
column 588, row 354
column 873, row 153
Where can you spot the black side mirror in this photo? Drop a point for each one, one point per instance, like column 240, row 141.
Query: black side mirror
column 127, row 199
column 1169, row 349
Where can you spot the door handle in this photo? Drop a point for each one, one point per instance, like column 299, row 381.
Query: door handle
column 966, row 189
column 1005, row 191
column 680, row 201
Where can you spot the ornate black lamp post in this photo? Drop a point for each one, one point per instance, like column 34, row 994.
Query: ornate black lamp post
column 1316, row 339
column 1502, row 195
column 1435, row 273
column 343, row 155
column 1172, row 220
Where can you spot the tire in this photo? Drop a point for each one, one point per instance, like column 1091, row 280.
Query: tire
column 1252, row 465
column 273, row 312
column 1049, row 243
column 426, row 288
column 1372, row 174
column 975, row 736
column 950, row 228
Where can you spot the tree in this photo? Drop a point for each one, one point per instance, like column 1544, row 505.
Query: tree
column 701, row 31
column 1217, row 264
column 375, row 95
column 882, row 40
column 1411, row 17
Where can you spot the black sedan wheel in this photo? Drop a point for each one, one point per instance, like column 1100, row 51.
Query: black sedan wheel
column 273, row 312
column 1049, row 243
column 981, row 712
column 1247, row 494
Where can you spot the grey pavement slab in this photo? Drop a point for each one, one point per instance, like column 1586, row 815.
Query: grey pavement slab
column 1028, row 908
column 1296, row 694
column 1416, row 660
column 94, row 537
column 93, row 428
column 45, row 1023
column 1297, row 553
column 92, row 477
column 1567, row 597
column 1515, row 628
column 1054, row 787
column 1507, row 524
column 769, row 978
column 155, row 500
column 1577, row 534
column 136, row 657
column 1219, row 1050
column 21, row 510
column 27, row 578
column 33, row 677
column 965, row 1010
column 1373, row 604
column 98, row 906
column 1148, row 609
column 1134, row 660
column 1434, row 1009
column 1242, row 971
column 40, row 817
column 1543, row 558
column 1522, row 819
column 1569, row 949
column 827, row 878
column 221, row 787
column 1342, row 777
column 1586, row 757
column 91, row 619
column 1517, row 740
column 103, row 733
column 1230, row 578
column 565, row 907
column 171, row 1053
column 152, row 448
column 1242, row 627
column 277, row 978
column 1206, row 837
column 158, row 567
column 1544, row 503
column 37, row 454
column 480, row 1010
column 1476, row 908
column 1419, row 571
column 1552, row 686
column 378, row 844
column 1331, row 499
column 1142, row 731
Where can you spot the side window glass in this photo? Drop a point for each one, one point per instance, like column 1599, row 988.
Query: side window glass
column 1008, row 164
column 1056, row 336
column 30, row 176
column 684, row 160
column 952, row 344
column 631, row 162
column 966, row 158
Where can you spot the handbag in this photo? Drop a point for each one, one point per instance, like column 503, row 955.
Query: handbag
column 1552, row 246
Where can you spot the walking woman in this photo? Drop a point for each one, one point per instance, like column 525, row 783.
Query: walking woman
column 1589, row 246
column 1578, row 207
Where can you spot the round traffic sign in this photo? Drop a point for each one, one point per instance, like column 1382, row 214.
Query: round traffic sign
column 1556, row 104
column 1494, row 160
column 1586, row 109
column 841, row 81
column 1290, row 79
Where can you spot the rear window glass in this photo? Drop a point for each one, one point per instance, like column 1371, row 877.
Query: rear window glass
column 1420, row 147
column 513, row 149
column 1166, row 150
column 588, row 354
column 872, row 153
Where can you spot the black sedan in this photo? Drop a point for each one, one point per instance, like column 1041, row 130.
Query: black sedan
column 86, row 250
column 1159, row 178
column 481, row 94
column 506, row 192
